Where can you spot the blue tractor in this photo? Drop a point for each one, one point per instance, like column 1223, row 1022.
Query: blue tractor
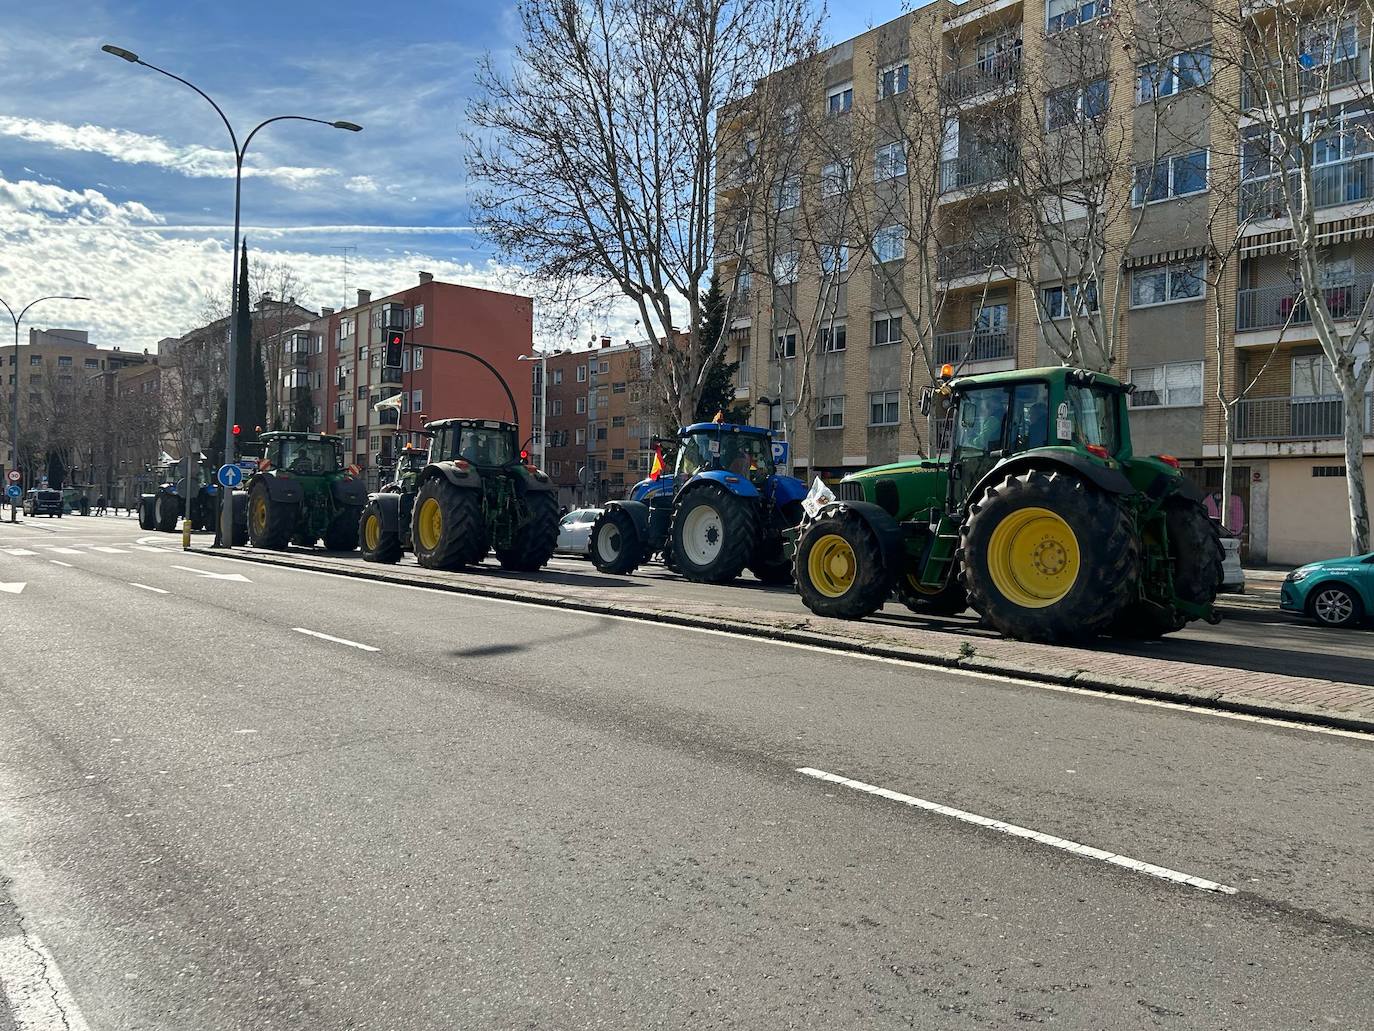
column 723, row 508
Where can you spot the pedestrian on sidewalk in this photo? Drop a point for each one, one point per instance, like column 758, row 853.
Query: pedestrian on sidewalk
column 100, row 505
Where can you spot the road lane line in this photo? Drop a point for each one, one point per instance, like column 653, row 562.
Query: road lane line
column 66, row 551
column 58, row 562
column 145, row 587
column 109, row 551
column 17, row 552
column 1074, row 847
column 336, row 640
column 38, row 997
column 155, row 551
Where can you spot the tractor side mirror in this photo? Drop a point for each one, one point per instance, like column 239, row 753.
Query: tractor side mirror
column 924, row 400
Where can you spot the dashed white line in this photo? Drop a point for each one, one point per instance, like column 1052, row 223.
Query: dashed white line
column 109, row 551
column 38, row 997
column 17, row 552
column 155, row 551
column 145, row 587
column 1074, row 847
column 336, row 640
column 58, row 562
column 65, row 551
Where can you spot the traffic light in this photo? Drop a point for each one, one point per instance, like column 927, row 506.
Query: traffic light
column 395, row 340
column 236, row 429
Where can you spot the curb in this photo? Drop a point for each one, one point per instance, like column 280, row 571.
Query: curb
column 1081, row 679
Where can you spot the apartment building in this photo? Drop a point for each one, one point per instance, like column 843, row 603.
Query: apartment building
column 852, row 323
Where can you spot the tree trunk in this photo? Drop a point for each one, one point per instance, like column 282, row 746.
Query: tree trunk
column 1227, row 463
column 1353, row 403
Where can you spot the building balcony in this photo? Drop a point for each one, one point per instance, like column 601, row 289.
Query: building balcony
column 300, row 359
column 974, row 258
column 975, row 345
column 1343, row 182
column 1296, row 418
column 975, row 169
column 1297, row 83
column 989, row 75
column 1271, row 307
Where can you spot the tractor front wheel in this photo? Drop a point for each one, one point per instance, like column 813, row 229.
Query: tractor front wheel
column 714, row 534
column 535, row 540
column 342, row 532
column 615, row 545
column 770, row 562
column 378, row 544
column 1195, row 554
column 269, row 522
column 147, row 517
column 165, row 509
column 1048, row 557
column 447, row 530
column 949, row 600
column 840, row 568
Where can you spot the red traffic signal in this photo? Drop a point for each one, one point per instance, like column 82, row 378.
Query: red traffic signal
column 524, row 456
column 395, row 340
column 236, row 429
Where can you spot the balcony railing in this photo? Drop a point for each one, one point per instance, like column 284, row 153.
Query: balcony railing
column 1299, row 82
column 970, row 345
column 1269, row 307
column 973, row 258
column 1345, row 182
column 1295, row 418
column 983, row 76
column 975, row 168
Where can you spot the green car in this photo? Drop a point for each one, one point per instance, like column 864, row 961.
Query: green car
column 1335, row 591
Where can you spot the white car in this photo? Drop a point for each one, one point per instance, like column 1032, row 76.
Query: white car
column 575, row 531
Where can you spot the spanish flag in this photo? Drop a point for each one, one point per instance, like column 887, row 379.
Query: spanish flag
column 656, row 469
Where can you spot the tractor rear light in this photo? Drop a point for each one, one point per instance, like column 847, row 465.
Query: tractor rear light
column 462, row 464
column 1168, row 460
column 1098, row 450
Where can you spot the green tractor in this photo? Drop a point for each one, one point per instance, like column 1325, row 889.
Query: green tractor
column 301, row 493
column 474, row 494
column 1040, row 517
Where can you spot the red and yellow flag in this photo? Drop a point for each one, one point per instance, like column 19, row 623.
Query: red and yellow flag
column 656, row 469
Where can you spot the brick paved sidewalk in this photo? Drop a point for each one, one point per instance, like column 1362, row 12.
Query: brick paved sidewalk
column 1299, row 698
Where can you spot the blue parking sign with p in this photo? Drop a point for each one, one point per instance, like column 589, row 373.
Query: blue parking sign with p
column 781, row 450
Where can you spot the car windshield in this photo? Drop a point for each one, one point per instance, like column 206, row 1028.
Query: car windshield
column 310, row 457
column 746, row 454
column 1093, row 410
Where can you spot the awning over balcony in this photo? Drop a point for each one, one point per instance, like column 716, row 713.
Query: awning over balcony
column 1164, row 257
column 1360, row 227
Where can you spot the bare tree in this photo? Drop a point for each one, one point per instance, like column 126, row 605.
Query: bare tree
column 598, row 151
column 279, row 283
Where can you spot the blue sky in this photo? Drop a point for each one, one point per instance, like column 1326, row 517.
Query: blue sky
column 115, row 181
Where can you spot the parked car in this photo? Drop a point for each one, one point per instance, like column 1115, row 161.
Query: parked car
column 1336, row 592
column 43, row 501
column 575, row 531
column 1232, row 573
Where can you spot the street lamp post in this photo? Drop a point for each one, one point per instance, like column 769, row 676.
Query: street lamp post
column 543, row 360
column 14, row 394
column 226, row 505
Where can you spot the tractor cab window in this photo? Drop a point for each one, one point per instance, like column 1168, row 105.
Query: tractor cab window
column 982, row 416
column 745, row 454
column 308, row 457
column 486, row 447
column 1094, row 411
column 1030, row 417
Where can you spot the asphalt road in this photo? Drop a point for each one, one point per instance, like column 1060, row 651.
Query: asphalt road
column 455, row 812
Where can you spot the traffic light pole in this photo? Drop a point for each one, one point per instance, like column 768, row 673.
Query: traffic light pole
column 514, row 410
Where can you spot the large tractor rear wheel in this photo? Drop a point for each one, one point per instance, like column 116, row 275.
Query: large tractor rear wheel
column 378, row 544
column 770, row 562
column 714, row 534
column 1048, row 557
column 1196, row 554
column 447, row 530
column 536, row 538
column 166, row 508
column 615, row 544
column 269, row 522
column 342, row 532
column 147, row 516
column 840, row 568
column 949, row 600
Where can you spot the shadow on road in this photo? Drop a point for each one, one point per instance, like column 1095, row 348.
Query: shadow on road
column 482, row 651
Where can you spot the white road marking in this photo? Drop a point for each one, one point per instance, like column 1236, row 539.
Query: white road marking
column 58, row 562
column 13, row 588
column 19, row 551
column 145, row 587
column 155, row 551
column 236, row 577
column 108, row 551
column 1076, row 848
column 336, row 640
column 66, row 551
column 1000, row 678
column 38, row 997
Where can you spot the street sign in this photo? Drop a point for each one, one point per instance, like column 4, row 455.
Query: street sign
column 230, row 475
column 15, row 476
column 781, row 450
column 13, row 490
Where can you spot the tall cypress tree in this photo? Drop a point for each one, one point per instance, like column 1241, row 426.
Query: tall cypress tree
column 247, row 388
column 718, row 392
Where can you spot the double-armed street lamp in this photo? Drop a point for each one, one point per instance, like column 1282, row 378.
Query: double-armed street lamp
column 14, row 393
column 240, row 151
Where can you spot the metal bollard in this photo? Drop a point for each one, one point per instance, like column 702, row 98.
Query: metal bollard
column 186, row 535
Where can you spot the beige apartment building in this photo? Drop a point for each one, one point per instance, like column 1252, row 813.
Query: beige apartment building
column 842, row 308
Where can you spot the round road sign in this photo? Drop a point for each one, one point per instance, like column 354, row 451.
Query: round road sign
column 15, row 476
column 13, row 490
column 230, row 475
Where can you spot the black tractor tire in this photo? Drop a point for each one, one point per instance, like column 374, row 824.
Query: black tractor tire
column 459, row 535
column 770, row 563
column 270, row 523
column 615, row 545
column 1335, row 605
column 536, row 538
column 147, row 517
column 239, row 522
column 1195, row 547
column 949, row 600
column 377, row 543
column 166, row 508
column 1052, row 610
column 342, row 532
column 840, row 567
column 726, row 524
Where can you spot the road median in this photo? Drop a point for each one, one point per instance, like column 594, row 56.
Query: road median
column 894, row 634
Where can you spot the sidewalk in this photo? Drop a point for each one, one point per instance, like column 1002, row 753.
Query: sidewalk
column 1305, row 699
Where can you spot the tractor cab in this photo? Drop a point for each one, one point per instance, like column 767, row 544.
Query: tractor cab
column 711, row 446
column 485, row 443
column 301, row 454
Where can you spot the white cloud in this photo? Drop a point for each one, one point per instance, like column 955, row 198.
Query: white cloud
column 362, row 184
column 135, row 148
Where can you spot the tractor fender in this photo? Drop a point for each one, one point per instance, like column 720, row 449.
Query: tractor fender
column 459, row 476
column 349, row 490
column 646, row 489
column 389, row 508
column 889, row 533
column 787, row 489
column 638, row 513
column 1113, row 481
column 740, row 486
column 532, row 481
column 287, row 492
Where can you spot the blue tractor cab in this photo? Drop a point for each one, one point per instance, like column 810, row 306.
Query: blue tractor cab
column 722, row 509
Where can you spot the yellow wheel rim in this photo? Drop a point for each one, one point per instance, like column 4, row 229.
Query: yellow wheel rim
column 832, row 565
column 258, row 514
column 914, row 582
column 1033, row 558
column 429, row 523
column 372, row 531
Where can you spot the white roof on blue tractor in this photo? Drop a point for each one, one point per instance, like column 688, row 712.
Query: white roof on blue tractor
column 723, row 427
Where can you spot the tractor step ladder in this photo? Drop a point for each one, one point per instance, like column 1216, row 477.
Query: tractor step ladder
column 940, row 554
